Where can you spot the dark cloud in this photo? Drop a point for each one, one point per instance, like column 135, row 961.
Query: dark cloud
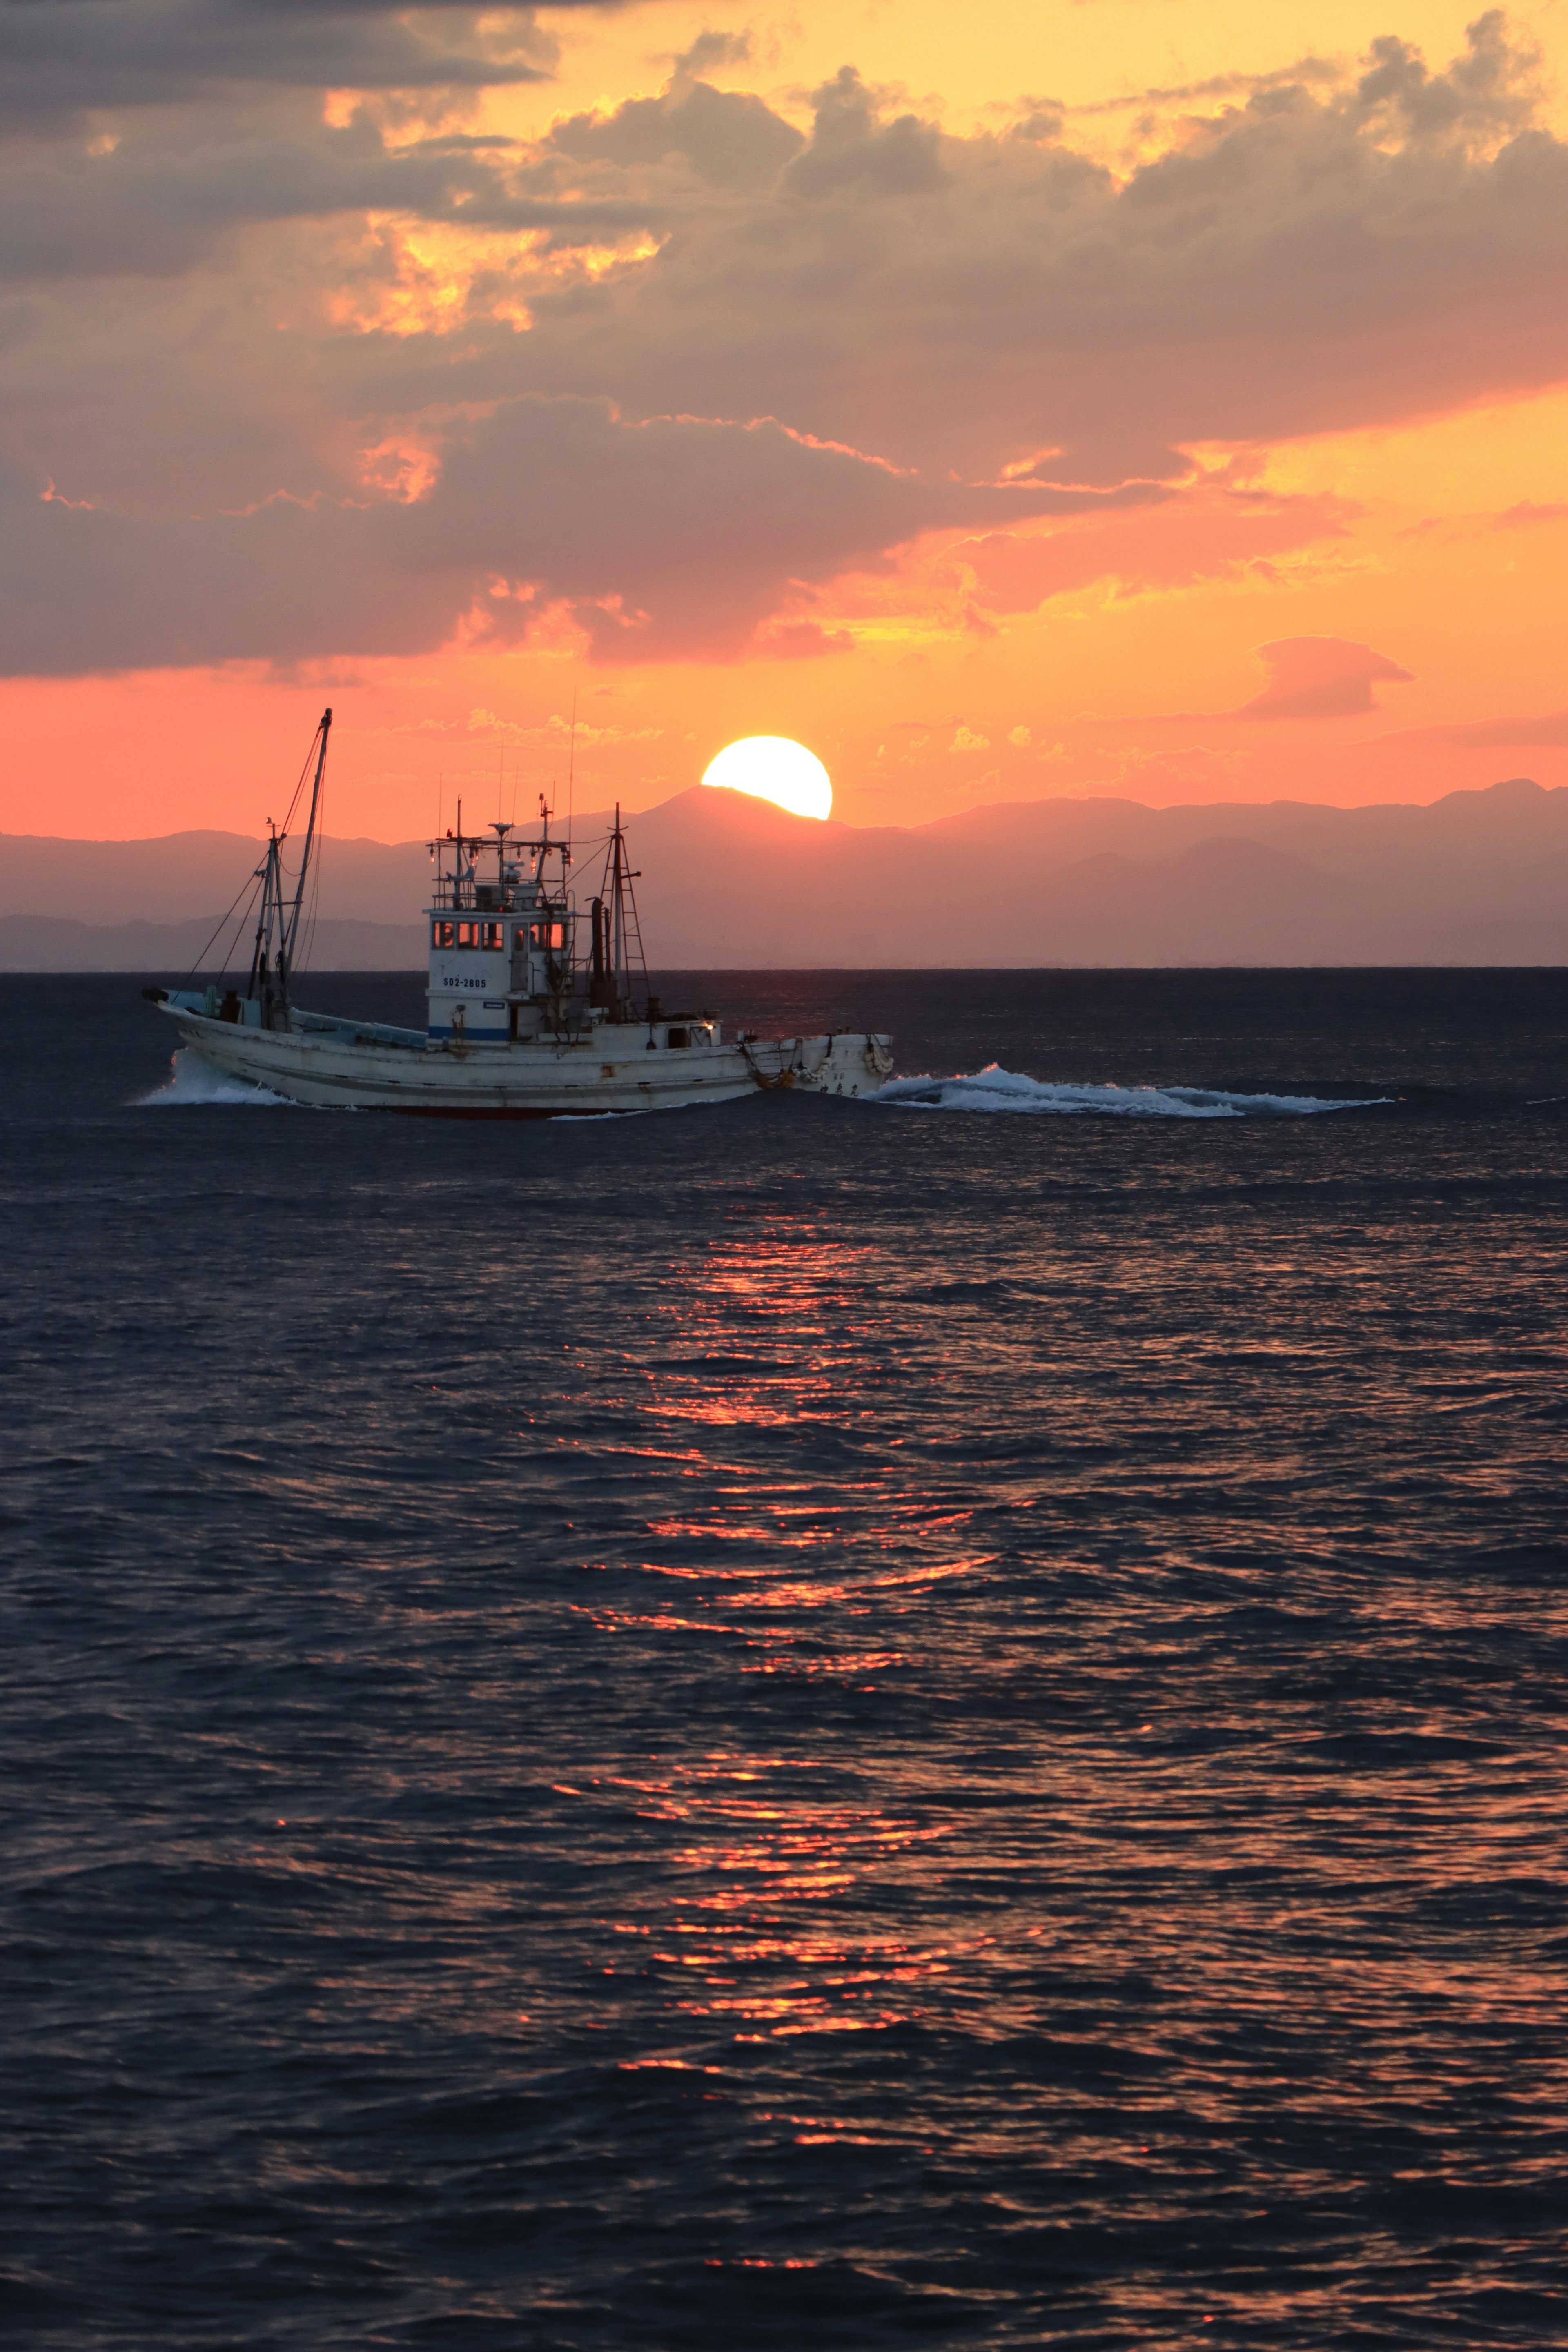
column 697, row 528
column 165, row 195
column 1320, row 678
column 730, row 138
column 140, row 592
column 711, row 49
column 674, row 538
column 1494, row 84
column 854, row 152
column 62, row 57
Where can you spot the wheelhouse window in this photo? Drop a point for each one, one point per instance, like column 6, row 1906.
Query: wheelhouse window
column 493, row 935
column 547, row 935
column 468, row 934
column 442, row 934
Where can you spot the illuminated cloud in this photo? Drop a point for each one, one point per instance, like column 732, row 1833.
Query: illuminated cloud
column 1320, row 678
column 1530, row 511
column 1146, row 538
column 1304, row 261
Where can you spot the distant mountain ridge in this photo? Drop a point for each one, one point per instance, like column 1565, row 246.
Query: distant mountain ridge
column 1475, row 877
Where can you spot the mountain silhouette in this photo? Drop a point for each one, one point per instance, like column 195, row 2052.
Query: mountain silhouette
column 731, row 882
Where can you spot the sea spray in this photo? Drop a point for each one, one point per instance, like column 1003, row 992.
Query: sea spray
column 995, row 1089
column 192, row 1083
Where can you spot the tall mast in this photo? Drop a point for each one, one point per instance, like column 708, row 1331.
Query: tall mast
column 285, row 955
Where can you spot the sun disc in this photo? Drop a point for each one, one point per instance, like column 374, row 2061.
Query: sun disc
column 772, row 767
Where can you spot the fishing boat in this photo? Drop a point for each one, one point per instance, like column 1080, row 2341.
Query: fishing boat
column 532, row 1015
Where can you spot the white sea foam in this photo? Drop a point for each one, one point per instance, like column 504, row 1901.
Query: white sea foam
column 994, row 1088
column 190, row 1081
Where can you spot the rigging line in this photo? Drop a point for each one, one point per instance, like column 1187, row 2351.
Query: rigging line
column 246, row 891
column 608, row 843
column 232, row 952
column 299, row 787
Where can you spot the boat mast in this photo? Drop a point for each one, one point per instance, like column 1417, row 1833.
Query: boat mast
column 623, row 931
column 286, row 943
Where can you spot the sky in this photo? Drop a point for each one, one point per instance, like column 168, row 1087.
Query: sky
column 1150, row 397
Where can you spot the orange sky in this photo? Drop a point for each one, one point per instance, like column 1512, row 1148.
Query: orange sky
column 1158, row 407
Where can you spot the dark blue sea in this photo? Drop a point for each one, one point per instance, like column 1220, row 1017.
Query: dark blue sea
column 931, row 1723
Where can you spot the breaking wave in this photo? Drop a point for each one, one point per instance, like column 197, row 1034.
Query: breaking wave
column 191, row 1080
column 994, row 1089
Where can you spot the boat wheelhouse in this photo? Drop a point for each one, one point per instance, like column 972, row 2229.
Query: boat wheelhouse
column 504, row 965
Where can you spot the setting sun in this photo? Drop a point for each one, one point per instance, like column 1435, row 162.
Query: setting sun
column 772, row 767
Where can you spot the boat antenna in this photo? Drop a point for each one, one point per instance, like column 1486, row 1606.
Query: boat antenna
column 571, row 767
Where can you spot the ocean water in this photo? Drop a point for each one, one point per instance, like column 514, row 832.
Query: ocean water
column 927, row 1723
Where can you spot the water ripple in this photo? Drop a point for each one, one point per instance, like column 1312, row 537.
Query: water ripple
column 889, row 1730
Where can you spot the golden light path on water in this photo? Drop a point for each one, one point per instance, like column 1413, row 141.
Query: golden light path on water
column 774, row 768
column 762, row 1868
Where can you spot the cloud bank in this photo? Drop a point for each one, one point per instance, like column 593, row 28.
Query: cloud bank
column 296, row 361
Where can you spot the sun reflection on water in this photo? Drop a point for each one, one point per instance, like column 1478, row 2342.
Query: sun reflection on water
column 764, row 1880
column 801, row 1567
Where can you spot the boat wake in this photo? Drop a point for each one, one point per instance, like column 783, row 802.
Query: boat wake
column 190, row 1081
column 996, row 1089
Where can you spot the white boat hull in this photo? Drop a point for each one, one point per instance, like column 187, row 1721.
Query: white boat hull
column 337, row 1066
